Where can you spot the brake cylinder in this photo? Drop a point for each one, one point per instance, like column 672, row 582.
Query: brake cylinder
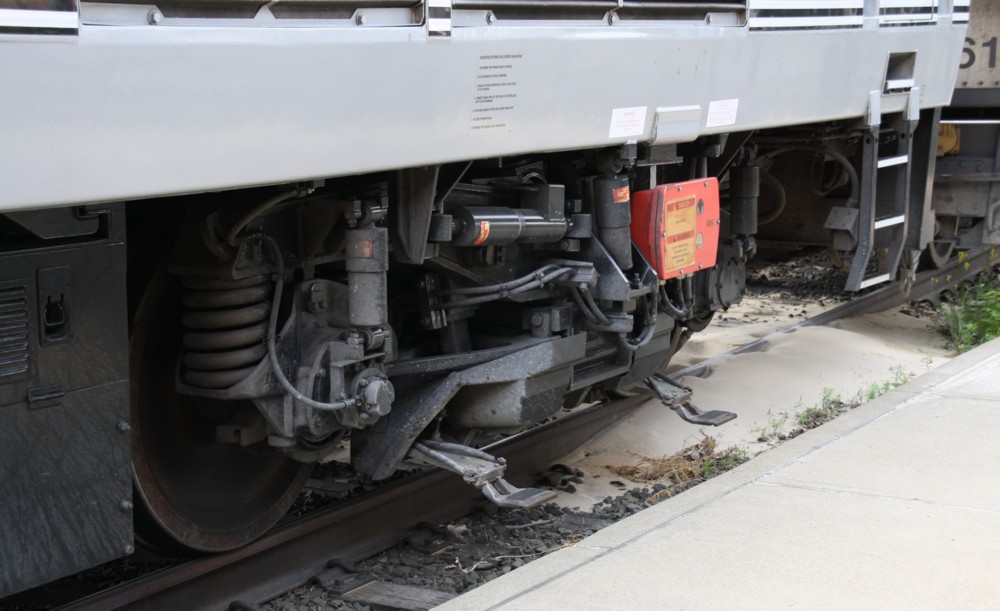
column 744, row 190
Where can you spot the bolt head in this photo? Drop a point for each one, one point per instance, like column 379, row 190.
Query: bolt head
column 360, row 19
column 123, row 426
column 154, row 17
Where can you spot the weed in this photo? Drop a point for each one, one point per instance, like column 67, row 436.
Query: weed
column 706, row 467
column 876, row 390
column 687, row 468
column 773, row 429
column 973, row 316
column 811, row 417
column 732, row 457
column 832, row 404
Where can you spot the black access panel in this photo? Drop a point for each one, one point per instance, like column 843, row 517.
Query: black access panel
column 65, row 451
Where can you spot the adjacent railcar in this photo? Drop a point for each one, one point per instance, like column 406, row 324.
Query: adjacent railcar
column 966, row 201
column 240, row 238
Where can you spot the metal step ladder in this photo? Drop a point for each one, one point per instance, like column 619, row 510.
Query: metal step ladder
column 678, row 398
column 884, row 206
column 482, row 470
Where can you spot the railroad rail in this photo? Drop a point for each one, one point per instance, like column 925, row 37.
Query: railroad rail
column 926, row 285
column 307, row 549
column 352, row 530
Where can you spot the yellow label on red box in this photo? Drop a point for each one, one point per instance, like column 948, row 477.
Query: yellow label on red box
column 681, row 227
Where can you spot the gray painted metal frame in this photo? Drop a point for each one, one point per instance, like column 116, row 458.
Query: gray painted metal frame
column 127, row 112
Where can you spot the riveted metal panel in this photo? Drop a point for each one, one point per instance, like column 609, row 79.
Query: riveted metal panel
column 68, row 466
column 65, row 450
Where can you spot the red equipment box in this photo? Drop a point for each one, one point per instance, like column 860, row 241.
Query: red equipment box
column 676, row 226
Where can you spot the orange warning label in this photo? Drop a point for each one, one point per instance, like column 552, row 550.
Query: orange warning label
column 680, row 227
column 484, row 232
column 621, row 196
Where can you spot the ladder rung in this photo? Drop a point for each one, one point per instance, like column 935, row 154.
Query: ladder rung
column 889, row 222
column 875, row 280
column 886, row 162
column 899, row 84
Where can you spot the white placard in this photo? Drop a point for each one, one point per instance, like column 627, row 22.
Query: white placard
column 627, row 122
column 722, row 112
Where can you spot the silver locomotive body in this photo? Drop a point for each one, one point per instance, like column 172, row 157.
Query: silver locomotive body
column 380, row 232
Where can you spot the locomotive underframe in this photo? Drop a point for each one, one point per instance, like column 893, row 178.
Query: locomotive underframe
column 367, row 210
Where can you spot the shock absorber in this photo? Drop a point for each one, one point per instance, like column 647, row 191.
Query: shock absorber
column 614, row 217
column 226, row 322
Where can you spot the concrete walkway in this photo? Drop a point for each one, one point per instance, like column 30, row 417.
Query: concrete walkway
column 893, row 505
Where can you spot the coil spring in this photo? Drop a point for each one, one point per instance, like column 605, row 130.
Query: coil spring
column 226, row 322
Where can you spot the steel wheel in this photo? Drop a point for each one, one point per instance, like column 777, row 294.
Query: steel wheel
column 939, row 251
column 937, row 254
column 192, row 492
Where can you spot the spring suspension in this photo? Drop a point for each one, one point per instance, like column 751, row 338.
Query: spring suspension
column 226, row 322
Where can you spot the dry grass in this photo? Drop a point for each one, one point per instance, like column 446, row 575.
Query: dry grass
column 677, row 469
column 689, row 467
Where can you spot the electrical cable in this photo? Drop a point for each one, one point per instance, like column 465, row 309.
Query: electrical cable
column 775, row 185
column 650, row 322
column 821, row 185
column 272, row 327
column 272, row 349
column 578, row 298
column 538, row 281
column 593, row 307
column 844, row 162
column 497, row 288
column 669, row 307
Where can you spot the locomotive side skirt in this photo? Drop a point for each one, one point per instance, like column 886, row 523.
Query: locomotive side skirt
column 64, row 394
column 179, row 108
